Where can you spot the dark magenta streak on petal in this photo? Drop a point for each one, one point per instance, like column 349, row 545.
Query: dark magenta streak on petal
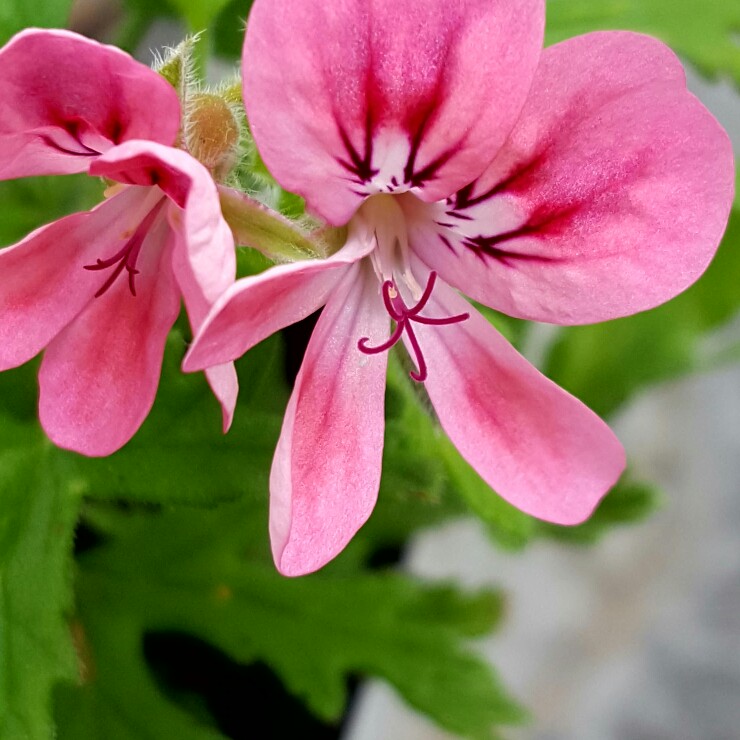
column 543, row 223
column 517, row 181
column 415, row 122
column 85, row 152
column 459, row 216
column 76, row 127
column 360, row 167
column 447, row 243
column 417, row 179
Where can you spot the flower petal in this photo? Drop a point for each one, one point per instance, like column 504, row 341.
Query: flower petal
column 255, row 307
column 204, row 259
column 44, row 283
column 610, row 196
column 537, row 446
column 205, row 234
column 326, row 472
column 66, row 99
column 345, row 98
column 99, row 376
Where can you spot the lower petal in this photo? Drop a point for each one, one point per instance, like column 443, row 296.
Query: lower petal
column 537, row 446
column 99, row 376
column 44, row 284
column 225, row 386
column 326, row 472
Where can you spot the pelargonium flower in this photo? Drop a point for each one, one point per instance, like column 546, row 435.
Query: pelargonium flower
column 570, row 185
column 100, row 290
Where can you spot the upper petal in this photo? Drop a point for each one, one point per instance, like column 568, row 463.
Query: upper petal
column 326, row 472
column 204, row 234
column 610, row 196
column 345, row 98
column 44, row 284
column 99, row 376
column 66, row 99
column 537, row 446
column 255, row 307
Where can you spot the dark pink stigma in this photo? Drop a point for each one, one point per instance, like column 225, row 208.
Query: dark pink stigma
column 127, row 256
column 403, row 316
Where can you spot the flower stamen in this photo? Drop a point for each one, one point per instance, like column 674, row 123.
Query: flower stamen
column 403, row 316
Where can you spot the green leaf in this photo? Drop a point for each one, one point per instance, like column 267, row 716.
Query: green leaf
column 703, row 32
column 119, row 698
column 18, row 14
column 605, row 364
column 198, row 574
column 38, row 509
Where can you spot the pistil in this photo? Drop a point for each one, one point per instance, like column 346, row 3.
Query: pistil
column 404, row 316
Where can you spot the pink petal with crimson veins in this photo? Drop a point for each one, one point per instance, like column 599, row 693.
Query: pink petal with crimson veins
column 44, row 284
column 99, row 376
column 612, row 192
column 255, row 307
column 204, row 259
column 423, row 91
column 66, row 99
column 537, row 446
column 326, row 472
column 205, row 234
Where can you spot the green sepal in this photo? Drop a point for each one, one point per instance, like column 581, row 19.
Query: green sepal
column 281, row 240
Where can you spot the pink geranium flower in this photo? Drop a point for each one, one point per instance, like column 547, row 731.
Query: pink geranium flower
column 570, row 185
column 100, row 290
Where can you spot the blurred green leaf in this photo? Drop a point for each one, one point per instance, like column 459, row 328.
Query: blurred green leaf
column 199, row 14
column 199, row 573
column 18, row 14
column 706, row 33
column 33, row 201
column 228, row 33
column 38, row 510
column 605, row 364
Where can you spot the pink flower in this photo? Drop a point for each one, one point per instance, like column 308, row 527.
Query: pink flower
column 100, row 290
column 570, row 185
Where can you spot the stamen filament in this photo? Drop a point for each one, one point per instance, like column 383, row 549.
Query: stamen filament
column 127, row 256
column 363, row 346
column 421, row 375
